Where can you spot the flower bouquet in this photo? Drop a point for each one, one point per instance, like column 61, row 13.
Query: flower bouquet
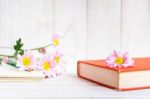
column 50, row 64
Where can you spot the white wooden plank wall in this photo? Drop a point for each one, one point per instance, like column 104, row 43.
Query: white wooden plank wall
column 104, row 23
column 32, row 20
column 136, row 27
column 70, row 19
column 90, row 28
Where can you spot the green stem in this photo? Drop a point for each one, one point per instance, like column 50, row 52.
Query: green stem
column 28, row 49
column 10, row 56
column 12, row 63
column 40, row 47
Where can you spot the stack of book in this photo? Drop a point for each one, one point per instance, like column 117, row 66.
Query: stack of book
column 122, row 79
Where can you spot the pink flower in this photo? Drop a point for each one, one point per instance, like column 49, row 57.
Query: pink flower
column 5, row 59
column 117, row 59
column 55, row 40
column 26, row 61
column 57, row 57
column 47, row 65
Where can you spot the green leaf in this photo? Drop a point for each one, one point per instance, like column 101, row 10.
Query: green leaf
column 15, row 47
column 18, row 48
column 21, row 52
column 21, row 45
column 19, row 41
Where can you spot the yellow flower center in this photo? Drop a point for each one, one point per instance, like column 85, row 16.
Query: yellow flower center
column 56, row 42
column 26, row 61
column 119, row 60
column 46, row 65
column 57, row 59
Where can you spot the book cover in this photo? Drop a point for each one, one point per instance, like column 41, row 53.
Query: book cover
column 12, row 74
column 131, row 78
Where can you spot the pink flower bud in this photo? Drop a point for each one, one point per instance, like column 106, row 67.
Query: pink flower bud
column 5, row 59
column 42, row 50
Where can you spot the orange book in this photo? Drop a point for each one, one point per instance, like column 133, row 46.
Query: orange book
column 122, row 79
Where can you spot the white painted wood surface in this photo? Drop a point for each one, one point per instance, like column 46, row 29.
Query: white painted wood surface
column 67, row 86
column 136, row 27
column 91, row 28
column 104, row 27
column 31, row 20
column 70, row 19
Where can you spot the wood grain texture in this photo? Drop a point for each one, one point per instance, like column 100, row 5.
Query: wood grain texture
column 65, row 87
column 136, row 27
column 29, row 19
column 104, row 20
column 90, row 28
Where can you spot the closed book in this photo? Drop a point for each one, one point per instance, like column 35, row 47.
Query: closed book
column 121, row 79
column 12, row 74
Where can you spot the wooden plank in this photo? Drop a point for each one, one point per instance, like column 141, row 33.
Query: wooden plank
column 136, row 27
column 104, row 23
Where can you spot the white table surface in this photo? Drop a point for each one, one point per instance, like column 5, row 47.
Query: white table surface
column 66, row 86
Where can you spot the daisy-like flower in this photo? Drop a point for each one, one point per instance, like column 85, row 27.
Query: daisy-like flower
column 59, row 69
column 56, row 40
column 57, row 57
column 26, row 61
column 117, row 59
column 47, row 65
